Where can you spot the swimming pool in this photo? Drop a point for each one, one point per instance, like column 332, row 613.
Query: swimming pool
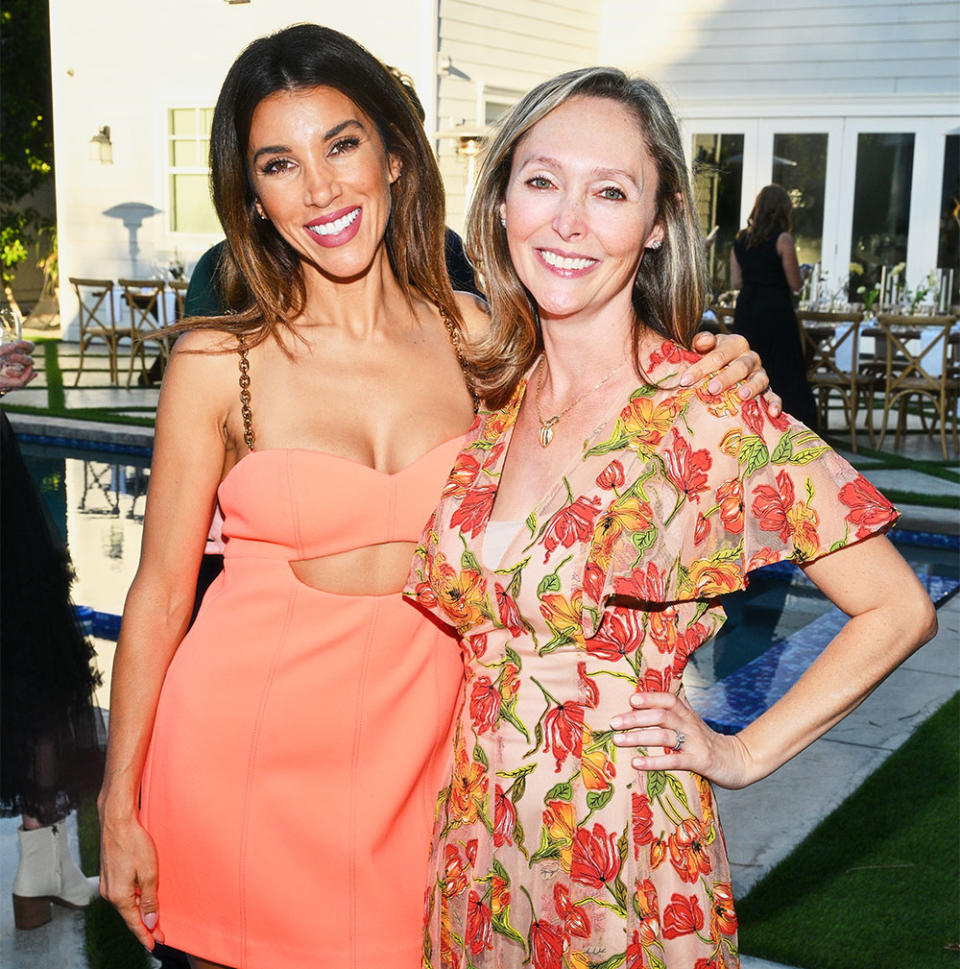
column 775, row 629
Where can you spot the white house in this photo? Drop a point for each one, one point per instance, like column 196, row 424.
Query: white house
column 852, row 105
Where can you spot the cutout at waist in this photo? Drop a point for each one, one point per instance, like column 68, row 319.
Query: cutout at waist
column 372, row 570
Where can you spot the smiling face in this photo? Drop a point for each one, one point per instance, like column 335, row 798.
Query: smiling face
column 322, row 177
column 580, row 207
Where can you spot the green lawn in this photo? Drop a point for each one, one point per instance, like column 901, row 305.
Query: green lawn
column 877, row 884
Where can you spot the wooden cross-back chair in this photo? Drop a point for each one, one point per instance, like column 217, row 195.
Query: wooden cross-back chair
column 97, row 319
column 144, row 298
column 928, row 373
column 824, row 337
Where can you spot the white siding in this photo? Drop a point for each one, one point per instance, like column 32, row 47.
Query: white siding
column 744, row 48
column 508, row 45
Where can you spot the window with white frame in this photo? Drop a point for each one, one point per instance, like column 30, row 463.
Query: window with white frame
column 188, row 148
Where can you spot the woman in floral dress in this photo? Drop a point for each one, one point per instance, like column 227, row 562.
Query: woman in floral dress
column 596, row 513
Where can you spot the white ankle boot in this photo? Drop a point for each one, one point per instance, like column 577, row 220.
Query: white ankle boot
column 47, row 873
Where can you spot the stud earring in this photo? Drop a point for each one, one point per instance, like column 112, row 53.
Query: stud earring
column 503, row 221
column 656, row 244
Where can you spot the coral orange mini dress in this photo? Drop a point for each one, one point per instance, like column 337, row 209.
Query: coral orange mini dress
column 301, row 736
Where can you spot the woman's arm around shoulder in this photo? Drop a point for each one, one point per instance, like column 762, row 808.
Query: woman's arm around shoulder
column 476, row 316
column 787, row 252
column 190, row 450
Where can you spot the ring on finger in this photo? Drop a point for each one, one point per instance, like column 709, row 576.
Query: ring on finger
column 678, row 746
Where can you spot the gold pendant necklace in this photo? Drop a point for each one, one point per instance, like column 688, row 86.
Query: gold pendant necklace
column 546, row 426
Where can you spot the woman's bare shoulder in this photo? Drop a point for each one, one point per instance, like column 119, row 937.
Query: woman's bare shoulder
column 476, row 315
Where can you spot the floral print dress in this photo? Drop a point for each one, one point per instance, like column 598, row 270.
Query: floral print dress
column 549, row 850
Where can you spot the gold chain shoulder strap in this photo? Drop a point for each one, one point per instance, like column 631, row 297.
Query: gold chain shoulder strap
column 456, row 341
column 245, row 412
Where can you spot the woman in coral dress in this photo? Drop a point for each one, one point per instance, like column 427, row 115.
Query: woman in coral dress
column 587, row 530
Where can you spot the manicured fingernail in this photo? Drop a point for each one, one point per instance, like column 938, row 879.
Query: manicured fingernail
column 686, row 379
column 616, row 723
column 744, row 392
column 150, row 920
column 714, row 386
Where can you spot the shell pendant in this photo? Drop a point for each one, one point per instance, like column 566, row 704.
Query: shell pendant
column 546, row 431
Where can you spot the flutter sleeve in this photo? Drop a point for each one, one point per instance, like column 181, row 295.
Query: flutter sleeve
column 723, row 495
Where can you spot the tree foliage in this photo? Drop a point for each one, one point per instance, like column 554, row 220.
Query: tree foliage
column 26, row 132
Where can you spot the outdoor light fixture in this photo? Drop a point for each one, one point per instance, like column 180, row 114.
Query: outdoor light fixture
column 101, row 147
column 231, row 2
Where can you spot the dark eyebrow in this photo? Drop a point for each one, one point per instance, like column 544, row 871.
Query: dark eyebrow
column 332, row 133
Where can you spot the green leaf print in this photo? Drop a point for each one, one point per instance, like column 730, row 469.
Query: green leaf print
column 480, row 756
column 549, row 583
column 656, row 962
column 810, row 491
column 559, row 792
column 597, row 799
column 507, row 713
column 504, row 928
column 656, row 783
column 469, row 561
column 531, row 523
column 678, row 792
column 643, row 540
column 518, row 771
column 784, row 449
column 753, row 454
column 500, row 871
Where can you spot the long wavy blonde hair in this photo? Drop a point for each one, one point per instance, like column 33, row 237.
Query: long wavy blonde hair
column 670, row 286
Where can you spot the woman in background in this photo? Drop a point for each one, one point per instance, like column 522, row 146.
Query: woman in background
column 764, row 268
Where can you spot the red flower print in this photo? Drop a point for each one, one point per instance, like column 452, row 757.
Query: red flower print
column 655, row 681
column 504, row 818
column 868, row 508
column 474, row 510
column 770, row 505
column 574, row 918
column 611, row 476
column 546, row 946
column 665, row 628
column 723, row 918
column 593, row 577
column 454, row 877
column 493, row 455
column 658, row 852
column 478, row 645
column 468, row 786
column 750, row 412
column 701, row 529
column 691, row 639
column 595, row 858
column 670, row 352
column 510, row 683
column 687, row 468
column 463, row 475
column 619, row 635
column 563, row 730
column 649, row 585
column 484, row 704
column 688, row 850
column 589, row 691
column 642, row 823
column 499, row 895
column 571, row 524
column 682, row 916
column 479, row 925
column 766, row 556
column 704, row 963
column 509, row 613
column 649, row 909
column 425, row 595
column 730, row 499
column 470, row 849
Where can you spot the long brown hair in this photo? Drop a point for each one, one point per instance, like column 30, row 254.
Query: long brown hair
column 261, row 277
column 670, row 286
column 772, row 214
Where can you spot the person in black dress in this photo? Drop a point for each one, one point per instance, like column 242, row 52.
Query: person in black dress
column 763, row 266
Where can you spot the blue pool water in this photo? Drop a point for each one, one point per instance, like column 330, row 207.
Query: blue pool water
column 776, row 628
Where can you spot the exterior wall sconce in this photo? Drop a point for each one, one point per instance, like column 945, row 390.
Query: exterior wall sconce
column 231, row 2
column 101, row 147
column 469, row 142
